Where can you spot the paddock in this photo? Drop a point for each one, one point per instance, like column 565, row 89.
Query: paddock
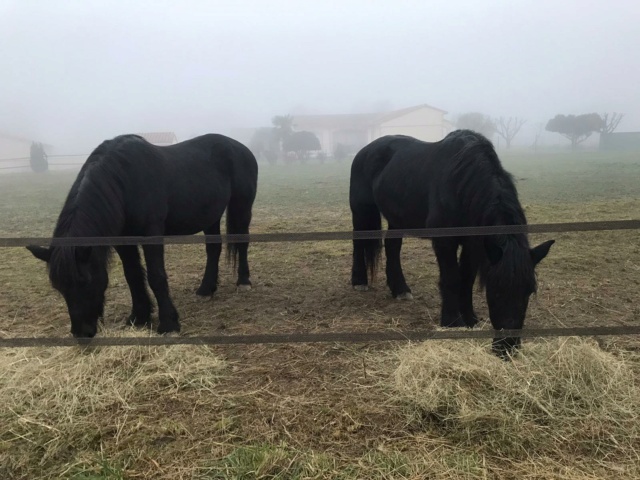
column 304, row 411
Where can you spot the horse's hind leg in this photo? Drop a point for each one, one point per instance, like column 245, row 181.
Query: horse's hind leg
column 395, row 277
column 450, row 282
column 244, row 275
column 238, row 221
column 134, row 274
column 210, row 279
column 157, row 275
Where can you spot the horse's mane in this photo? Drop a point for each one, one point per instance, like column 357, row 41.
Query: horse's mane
column 488, row 196
column 94, row 207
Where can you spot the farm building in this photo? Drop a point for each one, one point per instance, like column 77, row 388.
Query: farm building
column 160, row 138
column 355, row 131
column 621, row 141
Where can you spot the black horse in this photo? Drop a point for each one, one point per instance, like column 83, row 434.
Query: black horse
column 129, row 187
column 456, row 182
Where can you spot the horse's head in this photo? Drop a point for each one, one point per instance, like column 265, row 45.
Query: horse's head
column 80, row 275
column 510, row 281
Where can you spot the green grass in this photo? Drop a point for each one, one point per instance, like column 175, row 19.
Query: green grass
column 30, row 204
column 575, row 177
column 102, row 470
column 281, row 462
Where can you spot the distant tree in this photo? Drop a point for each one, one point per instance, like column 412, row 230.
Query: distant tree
column 301, row 143
column 322, row 157
column 265, row 143
column 283, row 126
column 538, row 136
column 38, row 158
column 271, row 156
column 576, row 128
column 478, row 122
column 508, row 128
column 610, row 124
column 340, row 152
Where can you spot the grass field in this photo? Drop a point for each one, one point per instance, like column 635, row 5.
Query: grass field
column 321, row 411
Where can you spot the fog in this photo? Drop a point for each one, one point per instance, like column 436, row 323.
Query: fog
column 75, row 73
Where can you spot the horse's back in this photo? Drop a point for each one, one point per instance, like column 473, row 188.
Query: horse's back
column 213, row 149
column 394, row 173
column 208, row 172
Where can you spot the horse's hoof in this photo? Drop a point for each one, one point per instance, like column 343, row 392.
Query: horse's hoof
column 244, row 288
column 361, row 288
column 165, row 328
column 405, row 296
column 472, row 322
column 458, row 323
column 205, row 291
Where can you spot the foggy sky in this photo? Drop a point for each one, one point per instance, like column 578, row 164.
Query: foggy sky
column 77, row 72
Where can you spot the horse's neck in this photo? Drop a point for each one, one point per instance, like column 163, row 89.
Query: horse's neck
column 86, row 214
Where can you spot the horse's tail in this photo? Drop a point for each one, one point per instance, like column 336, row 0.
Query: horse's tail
column 239, row 214
column 238, row 220
column 368, row 218
column 365, row 215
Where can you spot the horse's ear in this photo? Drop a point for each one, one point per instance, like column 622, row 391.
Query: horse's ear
column 541, row 251
column 494, row 250
column 41, row 253
column 83, row 254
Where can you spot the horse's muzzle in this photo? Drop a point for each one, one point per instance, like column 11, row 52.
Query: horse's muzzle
column 506, row 347
column 84, row 332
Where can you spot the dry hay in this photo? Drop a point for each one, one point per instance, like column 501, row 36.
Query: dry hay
column 565, row 399
column 59, row 402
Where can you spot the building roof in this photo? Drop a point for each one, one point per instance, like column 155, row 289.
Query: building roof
column 339, row 121
column 398, row 113
column 159, row 137
column 353, row 121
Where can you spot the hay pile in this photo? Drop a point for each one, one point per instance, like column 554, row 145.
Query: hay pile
column 59, row 401
column 558, row 399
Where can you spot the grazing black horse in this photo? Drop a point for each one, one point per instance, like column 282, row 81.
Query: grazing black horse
column 129, row 187
column 456, row 182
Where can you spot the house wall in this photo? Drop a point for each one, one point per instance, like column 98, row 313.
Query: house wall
column 326, row 139
column 355, row 139
column 620, row 141
column 424, row 124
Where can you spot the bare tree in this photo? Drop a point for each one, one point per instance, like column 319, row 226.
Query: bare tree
column 508, row 128
column 610, row 124
column 536, row 141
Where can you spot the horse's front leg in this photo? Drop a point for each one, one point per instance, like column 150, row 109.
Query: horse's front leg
column 468, row 272
column 157, row 276
column 210, row 279
column 134, row 274
column 395, row 278
column 446, row 250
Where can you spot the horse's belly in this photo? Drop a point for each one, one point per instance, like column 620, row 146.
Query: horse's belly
column 402, row 210
column 193, row 218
